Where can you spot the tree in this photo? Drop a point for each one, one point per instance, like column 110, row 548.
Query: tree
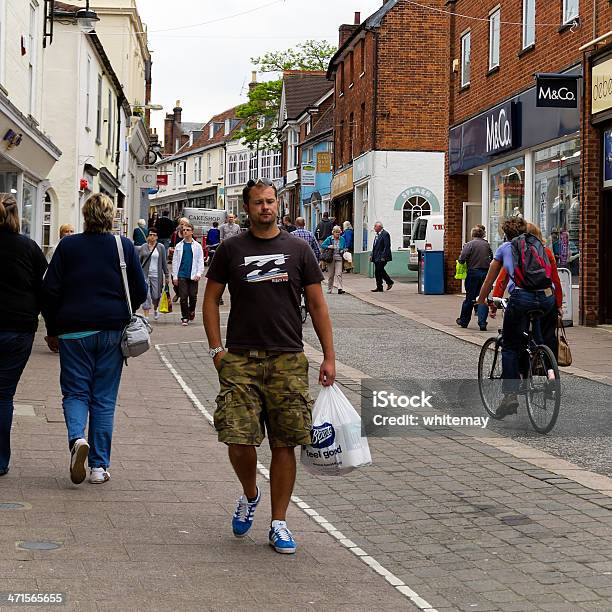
column 260, row 112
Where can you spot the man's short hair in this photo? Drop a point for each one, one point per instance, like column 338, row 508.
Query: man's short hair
column 189, row 225
column 246, row 192
column 152, row 230
column 326, row 215
column 478, row 232
column 215, row 224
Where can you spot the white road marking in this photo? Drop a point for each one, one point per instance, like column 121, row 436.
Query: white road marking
column 393, row 580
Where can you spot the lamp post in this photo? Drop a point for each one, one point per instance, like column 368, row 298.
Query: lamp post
column 87, row 19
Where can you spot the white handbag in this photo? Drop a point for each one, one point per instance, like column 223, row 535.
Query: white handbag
column 135, row 339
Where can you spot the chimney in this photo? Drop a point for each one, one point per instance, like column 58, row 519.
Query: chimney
column 357, row 18
column 168, row 134
column 253, row 82
column 177, row 110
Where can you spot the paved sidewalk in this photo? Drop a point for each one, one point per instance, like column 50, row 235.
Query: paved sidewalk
column 591, row 346
column 157, row 536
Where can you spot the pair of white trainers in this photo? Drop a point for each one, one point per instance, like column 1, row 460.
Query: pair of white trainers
column 78, row 472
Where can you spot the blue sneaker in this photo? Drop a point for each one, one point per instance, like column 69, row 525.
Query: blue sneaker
column 243, row 516
column 281, row 539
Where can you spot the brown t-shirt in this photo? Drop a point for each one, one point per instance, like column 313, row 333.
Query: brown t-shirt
column 265, row 278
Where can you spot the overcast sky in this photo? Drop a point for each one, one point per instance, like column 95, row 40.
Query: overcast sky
column 207, row 67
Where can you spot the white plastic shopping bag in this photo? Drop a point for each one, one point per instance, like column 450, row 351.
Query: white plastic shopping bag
column 337, row 446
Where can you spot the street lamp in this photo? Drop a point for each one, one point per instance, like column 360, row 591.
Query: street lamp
column 87, row 19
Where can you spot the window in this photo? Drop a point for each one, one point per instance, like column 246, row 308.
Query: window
column 221, row 170
column 506, row 196
column 276, row 168
column 308, row 153
column 414, row 207
column 87, row 91
column 292, row 149
column 529, row 12
column 308, row 126
column 174, row 173
column 570, row 10
column 32, row 53
column 28, row 212
column 232, row 171
column 362, row 56
column 266, row 164
column 47, row 223
column 466, row 62
column 351, row 132
column 109, row 127
column 362, row 127
column 243, row 168
column 341, row 144
column 197, row 169
column 253, row 165
column 209, row 167
column 182, row 173
column 341, row 75
column 494, row 36
column 99, row 112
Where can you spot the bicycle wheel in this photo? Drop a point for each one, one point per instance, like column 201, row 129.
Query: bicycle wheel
column 303, row 313
column 543, row 393
column 490, row 375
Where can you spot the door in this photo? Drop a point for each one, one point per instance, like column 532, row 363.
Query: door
column 472, row 215
column 606, row 259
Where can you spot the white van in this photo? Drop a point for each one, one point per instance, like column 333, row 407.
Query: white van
column 427, row 235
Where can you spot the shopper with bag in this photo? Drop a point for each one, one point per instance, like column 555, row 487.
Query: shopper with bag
column 335, row 245
column 154, row 264
column 23, row 267
column 85, row 310
column 187, row 269
column 263, row 373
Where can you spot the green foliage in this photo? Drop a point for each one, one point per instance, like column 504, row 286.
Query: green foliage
column 260, row 112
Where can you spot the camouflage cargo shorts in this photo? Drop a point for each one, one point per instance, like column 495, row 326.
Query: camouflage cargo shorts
column 263, row 391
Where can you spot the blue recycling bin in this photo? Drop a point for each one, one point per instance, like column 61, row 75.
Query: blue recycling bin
column 431, row 272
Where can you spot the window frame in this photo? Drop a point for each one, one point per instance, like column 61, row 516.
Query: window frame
column 569, row 18
column 466, row 66
column 99, row 112
column 243, row 168
column 109, row 127
column 182, row 173
column 197, row 169
column 413, row 205
column 529, row 27
column 494, row 16
column 232, row 169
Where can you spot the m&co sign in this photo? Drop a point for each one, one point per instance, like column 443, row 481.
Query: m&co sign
column 601, row 87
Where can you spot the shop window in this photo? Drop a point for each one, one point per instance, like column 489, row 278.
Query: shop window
column 466, row 49
column 414, row 207
column 570, row 10
column 27, row 210
column 557, row 202
column 507, row 196
column 47, row 222
column 494, row 38
column 529, row 13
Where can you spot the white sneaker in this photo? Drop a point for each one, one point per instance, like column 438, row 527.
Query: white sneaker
column 98, row 475
column 78, row 457
column 156, row 315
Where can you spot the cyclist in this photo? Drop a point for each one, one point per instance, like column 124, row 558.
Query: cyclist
column 530, row 288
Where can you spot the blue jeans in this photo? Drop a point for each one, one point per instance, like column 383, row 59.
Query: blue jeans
column 516, row 322
column 473, row 283
column 15, row 349
column 90, row 375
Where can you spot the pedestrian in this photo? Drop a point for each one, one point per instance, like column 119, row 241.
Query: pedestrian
column 287, row 225
column 229, row 229
column 324, row 228
column 213, row 239
column 381, row 255
column 153, row 220
column 263, row 374
column 187, row 269
column 477, row 254
column 85, row 310
column 348, row 235
column 165, row 227
column 140, row 233
column 155, row 269
column 66, row 229
column 336, row 244
column 23, row 268
column 304, row 234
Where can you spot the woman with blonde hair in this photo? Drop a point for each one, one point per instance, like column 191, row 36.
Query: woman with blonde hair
column 85, row 309
column 23, row 267
column 66, row 229
column 335, row 243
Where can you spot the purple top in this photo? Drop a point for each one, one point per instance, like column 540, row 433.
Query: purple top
column 504, row 254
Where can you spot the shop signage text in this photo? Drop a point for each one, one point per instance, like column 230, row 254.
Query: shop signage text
column 499, row 129
column 309, row 175
column 601, row 87
column 556, row 91
column 162, row 179
column 324, row 162
column 342, row 182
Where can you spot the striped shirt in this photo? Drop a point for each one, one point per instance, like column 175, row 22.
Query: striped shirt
column 308, row 236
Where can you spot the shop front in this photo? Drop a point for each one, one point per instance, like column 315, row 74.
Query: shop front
column 341, row 208
column 524, row 159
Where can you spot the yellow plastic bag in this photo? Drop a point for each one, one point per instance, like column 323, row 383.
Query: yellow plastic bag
column 460, row 270
column 163, row 303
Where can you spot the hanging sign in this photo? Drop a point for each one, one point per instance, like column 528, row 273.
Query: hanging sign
column 557, row 90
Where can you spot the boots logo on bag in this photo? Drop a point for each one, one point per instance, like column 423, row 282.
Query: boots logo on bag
column 323, row 435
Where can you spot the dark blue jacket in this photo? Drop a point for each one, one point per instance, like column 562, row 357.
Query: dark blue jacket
column 381, row 251
column 83, row 290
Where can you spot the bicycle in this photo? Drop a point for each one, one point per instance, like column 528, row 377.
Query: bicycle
column 303, row 308
column 542, row 393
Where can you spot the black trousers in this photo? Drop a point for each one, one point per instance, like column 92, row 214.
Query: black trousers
column 381, row 274
column 188, row 294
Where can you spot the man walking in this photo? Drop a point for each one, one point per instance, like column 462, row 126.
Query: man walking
column 324, row 228
column 229, row 229
column 165, row 226
column 187, row 269
column 381, row 254
column 304, row 234
column 287, row 225
column 263, row 372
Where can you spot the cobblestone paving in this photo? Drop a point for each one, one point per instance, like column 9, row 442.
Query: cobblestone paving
column 468, row 527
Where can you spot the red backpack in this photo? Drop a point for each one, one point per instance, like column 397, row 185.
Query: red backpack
column 532, row 267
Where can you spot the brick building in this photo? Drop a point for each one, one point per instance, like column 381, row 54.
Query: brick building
column 390, row 122
column 507, row 153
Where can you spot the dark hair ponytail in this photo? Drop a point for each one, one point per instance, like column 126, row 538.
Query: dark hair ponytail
column 9, row 215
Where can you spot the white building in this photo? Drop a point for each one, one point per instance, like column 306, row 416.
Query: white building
column 27, row 153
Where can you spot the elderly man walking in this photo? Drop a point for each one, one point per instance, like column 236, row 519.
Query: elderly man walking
column 381, row 254
column 229, row 229
column 308, row 236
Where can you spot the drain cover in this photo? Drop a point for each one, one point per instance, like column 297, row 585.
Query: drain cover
column 39, row 545
column 13, row 506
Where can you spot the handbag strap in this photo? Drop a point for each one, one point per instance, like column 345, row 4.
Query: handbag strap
column 123, row 267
